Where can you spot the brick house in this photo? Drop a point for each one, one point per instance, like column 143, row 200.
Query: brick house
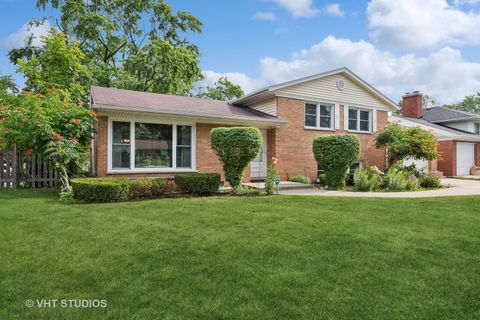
column 457, row 133
column 147, row 134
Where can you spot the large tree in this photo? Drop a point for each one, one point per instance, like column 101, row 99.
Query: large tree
column 133, row 44
column 469, row 104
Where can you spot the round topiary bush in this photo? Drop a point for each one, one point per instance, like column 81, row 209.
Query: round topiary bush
column 235, row 147
column 335, row 153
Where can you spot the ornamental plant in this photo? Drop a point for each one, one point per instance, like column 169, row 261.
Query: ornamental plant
column 335, row 153
column 271, row 174
column 50, row 125
column 235, row 147
column 407, row 142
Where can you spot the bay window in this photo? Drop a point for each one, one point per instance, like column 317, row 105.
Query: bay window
column 140, row 146
column 318, row 116
column 359, row 120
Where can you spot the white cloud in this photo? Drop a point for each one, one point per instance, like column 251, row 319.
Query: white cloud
column 248, row 84
column 266, row 16
column 422, row 24
column 334, row 9
column 17, row 38
column 298, row 8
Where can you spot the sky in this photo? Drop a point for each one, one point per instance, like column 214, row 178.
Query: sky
column 397, row 46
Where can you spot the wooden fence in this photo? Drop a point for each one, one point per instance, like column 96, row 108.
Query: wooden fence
column 19, row 169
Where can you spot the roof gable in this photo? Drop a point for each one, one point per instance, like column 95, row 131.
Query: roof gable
column 324, row 85
column 443, row 114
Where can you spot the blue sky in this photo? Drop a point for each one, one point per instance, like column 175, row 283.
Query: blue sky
column 398, row 46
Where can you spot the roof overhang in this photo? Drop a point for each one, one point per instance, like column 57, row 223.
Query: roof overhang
column 265, row 92
column 130, row 112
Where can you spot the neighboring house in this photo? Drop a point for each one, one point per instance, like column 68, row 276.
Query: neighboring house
column 147, row 134
column 457, row 132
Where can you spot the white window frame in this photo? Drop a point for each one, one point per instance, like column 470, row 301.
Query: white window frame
column 317, row 117
column 358, row 109
column 477, row 127
column 132, row 168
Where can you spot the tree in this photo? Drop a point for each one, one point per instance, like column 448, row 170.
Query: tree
column 407, row 142
column 235, row 147
column 132, row 44
column 223, row 89
column 57, row 64
column 469, row 104
column 7, row 84
column 335, row 153
column 50, row 125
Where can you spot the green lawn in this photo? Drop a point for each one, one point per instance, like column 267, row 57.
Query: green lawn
column 242, row 258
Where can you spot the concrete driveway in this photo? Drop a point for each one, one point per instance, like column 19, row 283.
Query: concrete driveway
column 456, row 187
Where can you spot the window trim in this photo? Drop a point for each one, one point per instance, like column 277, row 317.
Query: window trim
column 132, row 168
column 358, row 109
column 318, row 116
column 477, row 127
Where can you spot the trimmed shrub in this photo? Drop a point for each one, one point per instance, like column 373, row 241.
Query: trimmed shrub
column 198, row 183
column 335, row 153
column 300, row 179
column 430, row 180
column 367, row 179
column 235, row 147
column 148, row 187
column 101, row 189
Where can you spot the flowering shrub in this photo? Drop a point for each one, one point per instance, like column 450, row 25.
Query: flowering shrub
column 271, row 174
column 402, row 143
column 50, row 125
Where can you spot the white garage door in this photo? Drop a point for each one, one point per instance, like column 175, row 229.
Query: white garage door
column 465, row 158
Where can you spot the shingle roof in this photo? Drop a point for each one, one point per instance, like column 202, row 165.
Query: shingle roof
column 443, row 114
column 128, row 100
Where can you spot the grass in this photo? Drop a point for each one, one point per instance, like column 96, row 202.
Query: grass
column 242, row 258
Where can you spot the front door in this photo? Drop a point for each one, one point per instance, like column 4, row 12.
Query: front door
column 258, row 167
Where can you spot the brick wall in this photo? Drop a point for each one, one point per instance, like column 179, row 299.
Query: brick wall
column 293, row 143
column 448, row 163
column 477, row 154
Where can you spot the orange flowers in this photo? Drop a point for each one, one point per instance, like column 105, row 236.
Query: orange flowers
column 29, row 150
column 56, row 136
column 93, row 113
column 6, row 130
column 76, row 121
column 24, row 120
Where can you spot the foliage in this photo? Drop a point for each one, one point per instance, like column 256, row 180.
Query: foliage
column 223, row 89
column 367, row 179
column 430, row 180
column 148, row 188
column 270, row 180
column 50, row 125
column 395, row 180
column 101, row 189
column 412, row 169
column 322, row 179
column 235, row 147
column 7, row 84
column 335, row 153
column 138, row 44
column 58, row 64
column 407, row 142
column 300, row 179
column 469, row 104
column 198, row 183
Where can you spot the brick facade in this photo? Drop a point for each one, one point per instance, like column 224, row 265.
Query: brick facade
column 292, row 143
column 448, row 163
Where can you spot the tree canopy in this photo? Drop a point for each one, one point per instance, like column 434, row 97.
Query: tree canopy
column 223, row 89
column 469, row 104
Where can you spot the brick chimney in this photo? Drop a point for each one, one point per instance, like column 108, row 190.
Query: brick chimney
column 412, row 105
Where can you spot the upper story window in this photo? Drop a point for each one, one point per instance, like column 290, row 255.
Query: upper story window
column 477, row 128
column 359, row 120
column 319, row 115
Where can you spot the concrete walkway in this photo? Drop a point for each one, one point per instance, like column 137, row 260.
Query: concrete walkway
column 457, row 187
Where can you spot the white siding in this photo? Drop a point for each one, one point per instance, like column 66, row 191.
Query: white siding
column 268, row 106
column 325, row 89
column 462, row 125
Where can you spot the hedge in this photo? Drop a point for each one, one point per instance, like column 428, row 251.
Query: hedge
column 335, row 153
column 148, row 188
column 101, row 189
column 235, row 147
column 198, row 183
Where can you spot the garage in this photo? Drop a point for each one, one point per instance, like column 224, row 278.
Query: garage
column 465, row 158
